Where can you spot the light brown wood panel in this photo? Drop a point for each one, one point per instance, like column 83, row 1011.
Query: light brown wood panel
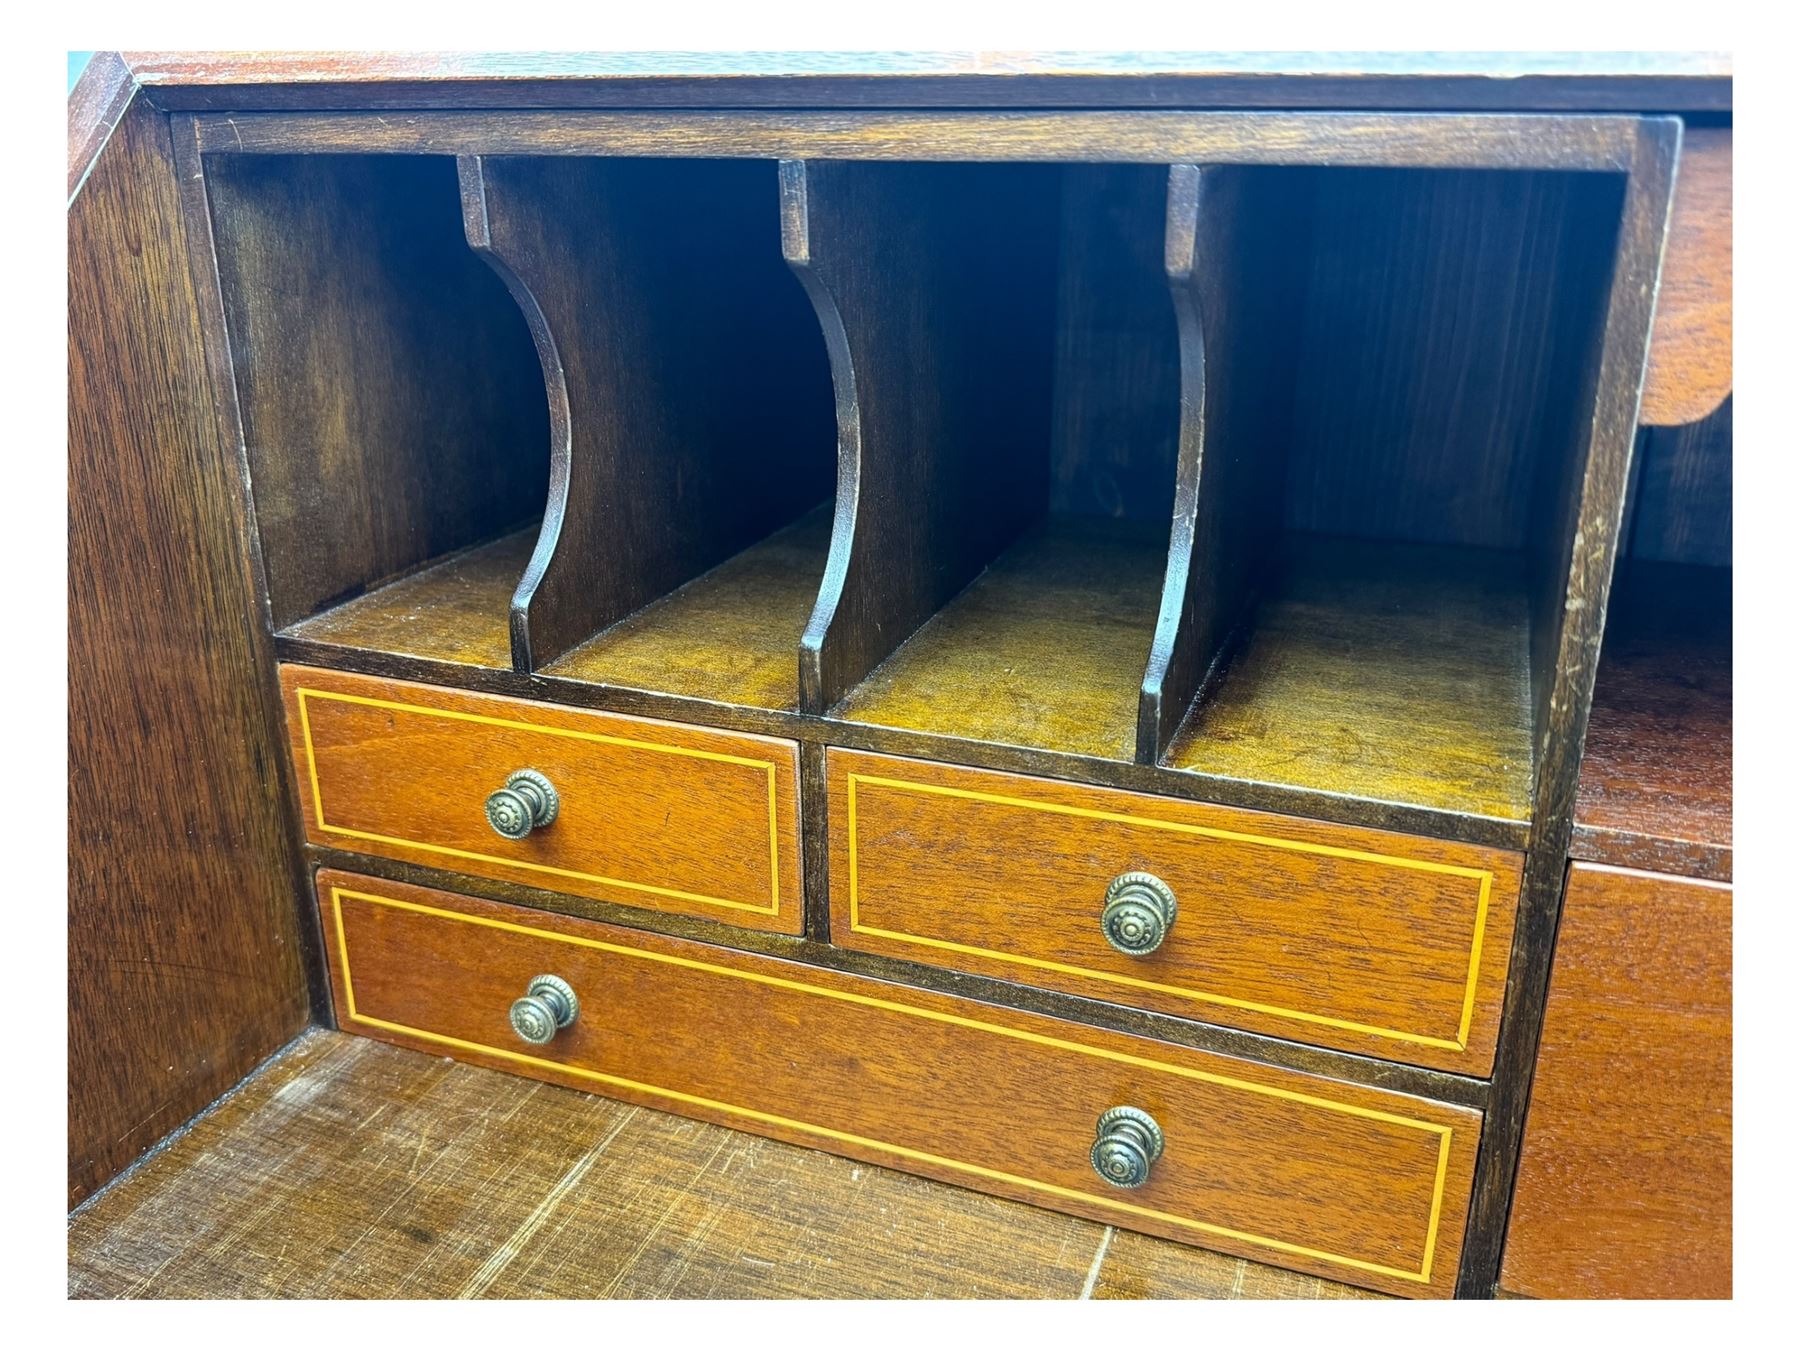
column 1321, row 1176
column 349, row 1168
column 653, row 814
column 1624, row 1186
column 1690, row 345
column 1360, row 940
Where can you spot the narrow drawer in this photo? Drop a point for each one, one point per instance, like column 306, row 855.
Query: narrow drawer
column 1360, row 940
column 1341, row 1180
column 653, row 814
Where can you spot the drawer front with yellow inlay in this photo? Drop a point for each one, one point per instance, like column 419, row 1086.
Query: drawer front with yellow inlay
column 1337, row 1179
column 1359, row 940
column 652, row 814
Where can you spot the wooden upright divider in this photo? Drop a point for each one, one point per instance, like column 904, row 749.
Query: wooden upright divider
column 676, row 353
column 942, row 383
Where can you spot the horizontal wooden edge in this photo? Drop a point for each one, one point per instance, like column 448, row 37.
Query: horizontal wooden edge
column 1647, row 81
column 1437, row 1085
column 809, row 728
column 1591, row 142
column 1690, row 859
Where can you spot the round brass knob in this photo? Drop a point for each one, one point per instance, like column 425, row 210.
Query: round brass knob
column 1137, row 914
column 549, row 1005
column 1127, row 1143
column 527, row 802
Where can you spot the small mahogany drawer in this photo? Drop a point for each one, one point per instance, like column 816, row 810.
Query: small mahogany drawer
column 1357, row 939
column 1345, row 1181
column 651, row 814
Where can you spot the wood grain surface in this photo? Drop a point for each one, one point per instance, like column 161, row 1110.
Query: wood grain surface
column 1682, row 509
column 653, row 814
column 1656, row 771
column 1044, row 649
column 1370, row 942
column 935, row 288
column 1690, row 347
column 454, row 610
column 349, row 1168
column 1627, row 80
column 185, row 957
column 1624, row 1187
column 1388, row 671
column 690, row 399
column 390, row 404
column 1324, row 1177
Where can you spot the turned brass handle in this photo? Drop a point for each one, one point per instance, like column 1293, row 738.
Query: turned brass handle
column 527, row 802
column 1127, row 1144
column 1137, row 914
column 549, row 1005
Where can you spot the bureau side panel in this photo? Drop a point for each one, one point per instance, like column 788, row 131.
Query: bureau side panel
column 1624, row 1187
column 185, row 965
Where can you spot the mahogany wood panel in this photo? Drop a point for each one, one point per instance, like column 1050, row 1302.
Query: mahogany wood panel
column 1624, row 1186
column 1629, row 80
column 349, row 1168
column 1690, row 347
column 1371, row 942
column 1232, row 238
column 185, row 953
column 1321, row 1176
column 389, row 403
column 1391, row 672
column 690, row 401
column 1656, row 770
column 1682, row 509
column 935, row 287
column 653, row 814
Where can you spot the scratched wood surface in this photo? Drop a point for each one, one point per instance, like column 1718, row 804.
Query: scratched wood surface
column 347, row 1168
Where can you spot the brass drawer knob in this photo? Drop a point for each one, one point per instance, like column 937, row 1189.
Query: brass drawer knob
column 549, row 1005
column 1127, row 1143
column 527, row 802
column 1138, row 912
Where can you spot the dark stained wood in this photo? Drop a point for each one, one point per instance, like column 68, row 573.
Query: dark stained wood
column 1232, row 238
column 730, row 636
column 1624, row 1187
column 1589, row 540
column 389, row 402
column 1376, row 943
column 96, row 104
column 1116, row 409
column 1690, row 347
column 1390, row 1075
column 654, row 814
column 453, row 611
column 689, row 393
column 1660, row 81
column 934, row 285
column 1682, row 509
column 1656, row 772
column 1325, row 1177
column 1043, row 650
column 1387, row 671
column 348, row 1168
column 186, row 962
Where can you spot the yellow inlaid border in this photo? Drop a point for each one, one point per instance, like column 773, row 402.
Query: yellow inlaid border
column 1445, row 1133
column 302, row 694
column 1486, row 879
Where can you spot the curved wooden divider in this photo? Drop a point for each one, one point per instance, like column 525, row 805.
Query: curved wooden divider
column 941, row 361
column 684, row 375
column 1229, row 284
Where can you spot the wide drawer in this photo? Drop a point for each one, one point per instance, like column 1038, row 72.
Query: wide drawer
column 652, row 814
column 1356, row 939
column 1336, row 1179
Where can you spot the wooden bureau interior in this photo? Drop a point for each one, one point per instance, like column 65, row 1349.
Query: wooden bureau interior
column 935, row 627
